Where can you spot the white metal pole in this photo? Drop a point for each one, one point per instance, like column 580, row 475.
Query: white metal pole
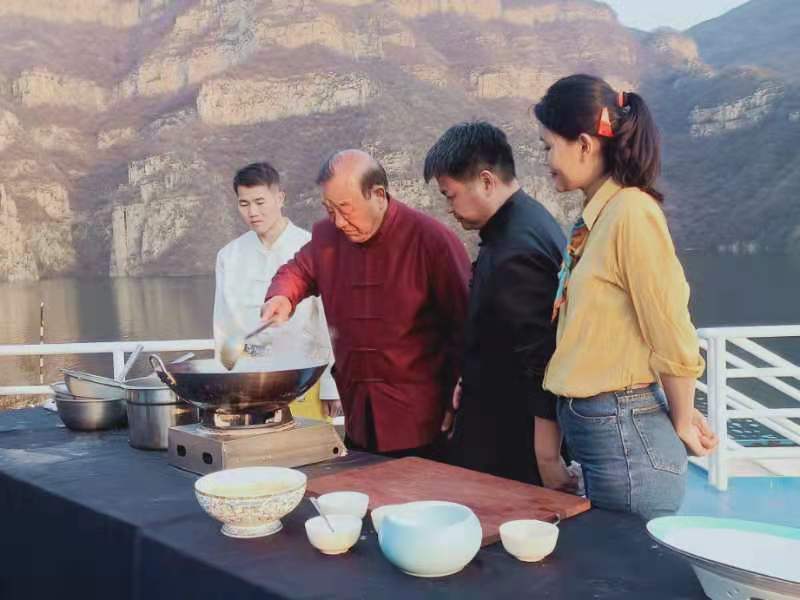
column 119, row 362
column 41, row 342
column 721, row 411
column 711, row 397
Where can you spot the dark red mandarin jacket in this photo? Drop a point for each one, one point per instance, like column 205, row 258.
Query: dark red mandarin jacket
column 396, row 306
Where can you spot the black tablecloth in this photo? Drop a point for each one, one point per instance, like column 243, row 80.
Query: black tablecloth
column 83, row 515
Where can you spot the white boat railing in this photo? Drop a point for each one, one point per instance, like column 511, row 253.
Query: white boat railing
column 117, row 350
column 726, row 403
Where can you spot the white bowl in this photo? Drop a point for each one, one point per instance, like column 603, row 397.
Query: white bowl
column 344, row 503
column 529, row 540
column 429, row 539
column 250, row 501
column 346, row 529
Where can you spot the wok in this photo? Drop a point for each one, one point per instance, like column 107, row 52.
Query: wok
column 208, row 385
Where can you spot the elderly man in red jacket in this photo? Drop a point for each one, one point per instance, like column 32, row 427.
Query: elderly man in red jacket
column 393, row 282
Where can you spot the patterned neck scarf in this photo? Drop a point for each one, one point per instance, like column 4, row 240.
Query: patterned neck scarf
column 577, row 240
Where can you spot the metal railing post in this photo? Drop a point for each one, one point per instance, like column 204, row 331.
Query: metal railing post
column 119, row 362
column 717, row 410
column 711, row 400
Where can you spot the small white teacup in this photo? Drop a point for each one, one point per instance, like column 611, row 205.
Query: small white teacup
column 529, row 540
column 344, row 503
column 346, row 529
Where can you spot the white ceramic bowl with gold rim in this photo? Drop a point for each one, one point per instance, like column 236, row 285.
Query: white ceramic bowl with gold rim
column 250, row 501
column 529, row 540
column 346, row 529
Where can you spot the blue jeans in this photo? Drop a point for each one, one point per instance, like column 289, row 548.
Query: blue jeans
column 632, row 459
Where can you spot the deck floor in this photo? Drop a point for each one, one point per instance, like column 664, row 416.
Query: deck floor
column 768, row 499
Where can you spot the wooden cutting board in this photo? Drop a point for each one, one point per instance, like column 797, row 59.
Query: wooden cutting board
column 493, row 499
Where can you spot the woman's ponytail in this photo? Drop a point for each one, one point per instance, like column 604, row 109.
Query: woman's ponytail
column 633, row 155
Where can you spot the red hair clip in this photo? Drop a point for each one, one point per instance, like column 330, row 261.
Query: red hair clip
column 604, row 128
column 621, row 100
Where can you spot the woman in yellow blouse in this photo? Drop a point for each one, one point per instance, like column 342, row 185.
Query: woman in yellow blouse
column 627, row 354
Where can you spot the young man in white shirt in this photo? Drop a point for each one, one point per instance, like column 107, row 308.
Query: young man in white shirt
column 246, row 266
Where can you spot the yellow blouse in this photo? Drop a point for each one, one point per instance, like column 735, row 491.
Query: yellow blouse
column 626, row 319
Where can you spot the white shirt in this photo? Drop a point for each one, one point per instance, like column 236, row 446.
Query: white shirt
column 245, row 268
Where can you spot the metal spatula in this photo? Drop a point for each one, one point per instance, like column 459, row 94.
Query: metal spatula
column 321, row 514
column 233, row 347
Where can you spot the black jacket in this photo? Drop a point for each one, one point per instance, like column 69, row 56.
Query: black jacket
column 509, row 340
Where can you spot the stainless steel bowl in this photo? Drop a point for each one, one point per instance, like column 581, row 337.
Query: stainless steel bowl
column 88, row 414
column 91, row 415
column 209, row 385
column 88, row 385
column 60, row 390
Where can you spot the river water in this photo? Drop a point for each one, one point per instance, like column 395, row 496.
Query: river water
column 726, row 290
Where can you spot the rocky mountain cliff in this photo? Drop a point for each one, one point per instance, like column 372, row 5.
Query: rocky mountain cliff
column 122, row 121
column 761, row 32
column 736, row 172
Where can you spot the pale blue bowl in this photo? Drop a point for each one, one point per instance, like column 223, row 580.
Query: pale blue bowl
column 430, row 539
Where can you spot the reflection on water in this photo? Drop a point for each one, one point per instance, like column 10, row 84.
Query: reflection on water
column 749, row 290
column 80, row 310
column 164, row 308
column 726, row 290
column 744, row 290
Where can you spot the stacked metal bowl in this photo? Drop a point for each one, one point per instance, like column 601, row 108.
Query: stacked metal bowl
column 87, row 402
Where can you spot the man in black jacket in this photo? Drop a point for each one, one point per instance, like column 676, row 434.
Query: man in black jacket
column 509, row 333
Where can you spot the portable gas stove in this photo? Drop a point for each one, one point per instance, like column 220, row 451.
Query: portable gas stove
column 245, row 418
